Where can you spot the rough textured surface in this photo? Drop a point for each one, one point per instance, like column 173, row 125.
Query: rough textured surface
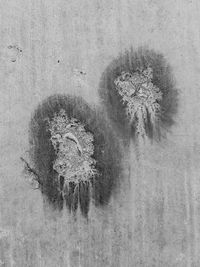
column 153, row 219
column 139, row 92
column 74, row 149
column 44, row 159
column 140, row 98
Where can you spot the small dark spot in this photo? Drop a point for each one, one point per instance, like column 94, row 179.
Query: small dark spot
column 58, row 61
column 83, row 73
column 17, row 48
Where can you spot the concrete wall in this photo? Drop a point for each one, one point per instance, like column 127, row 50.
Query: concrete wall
column 153, row 219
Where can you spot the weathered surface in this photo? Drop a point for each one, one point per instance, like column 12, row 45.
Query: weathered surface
column 61, row 46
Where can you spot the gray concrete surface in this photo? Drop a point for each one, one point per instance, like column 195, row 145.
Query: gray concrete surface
column 153, row 220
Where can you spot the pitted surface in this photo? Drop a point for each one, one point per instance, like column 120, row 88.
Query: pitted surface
column 74, row 148
column 140, row 96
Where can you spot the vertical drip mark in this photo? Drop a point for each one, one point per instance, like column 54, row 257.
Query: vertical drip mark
column 189, row 221
column 138, row 189
column 188, row 230
column 143, row 200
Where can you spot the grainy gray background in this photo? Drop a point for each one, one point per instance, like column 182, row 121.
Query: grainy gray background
column 156, row 220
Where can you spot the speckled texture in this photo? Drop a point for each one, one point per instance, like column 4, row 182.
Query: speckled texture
column 153, row 217
column 74, row 147
column 140, row 98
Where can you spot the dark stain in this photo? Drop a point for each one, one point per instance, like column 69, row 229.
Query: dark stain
column 82, row 72
column 130, row 62
column 15, row 47
column 17, row 50
column 106, row 153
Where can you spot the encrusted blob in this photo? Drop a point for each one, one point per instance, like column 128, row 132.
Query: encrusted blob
column 74, row 149
column 140, row 97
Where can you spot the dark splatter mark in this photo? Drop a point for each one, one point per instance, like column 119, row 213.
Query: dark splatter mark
column 17, row 51
column 15, row 47
column 42, row 155
column 130, row 62
column 82, row 72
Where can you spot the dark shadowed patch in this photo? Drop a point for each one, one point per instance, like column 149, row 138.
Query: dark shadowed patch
column 42, row 154
column 130, row 62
